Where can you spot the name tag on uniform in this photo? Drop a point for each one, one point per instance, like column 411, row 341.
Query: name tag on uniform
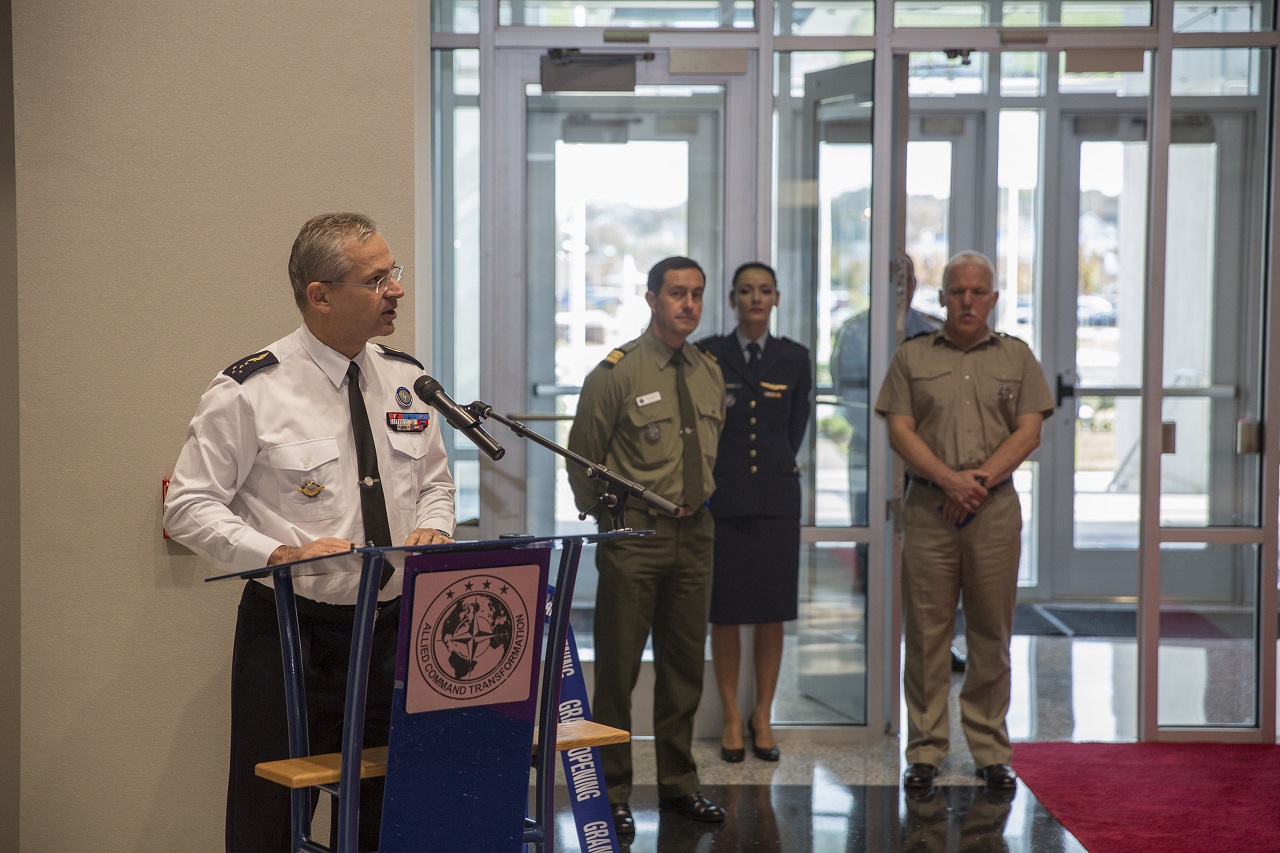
column 646, row 399
column 408, row 421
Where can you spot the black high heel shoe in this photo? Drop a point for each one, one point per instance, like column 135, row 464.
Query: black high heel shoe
column 770, row 754
column 732, row 756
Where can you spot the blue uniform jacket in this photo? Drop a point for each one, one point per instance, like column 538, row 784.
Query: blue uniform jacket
column 765, row 418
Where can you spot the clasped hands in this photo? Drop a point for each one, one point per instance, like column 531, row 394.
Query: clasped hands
column 965, row 490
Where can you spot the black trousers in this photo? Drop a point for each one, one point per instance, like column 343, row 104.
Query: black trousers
column 258, row 810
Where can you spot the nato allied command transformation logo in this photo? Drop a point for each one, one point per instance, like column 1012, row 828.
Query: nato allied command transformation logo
column 472, row 630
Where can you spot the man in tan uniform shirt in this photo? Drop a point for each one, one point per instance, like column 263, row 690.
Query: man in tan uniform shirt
column 630, row 419
column 964, row 408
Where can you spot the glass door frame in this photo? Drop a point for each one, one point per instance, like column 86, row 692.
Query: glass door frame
column 1152, row 534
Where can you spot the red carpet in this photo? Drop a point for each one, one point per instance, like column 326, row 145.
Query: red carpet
column 1149, row 797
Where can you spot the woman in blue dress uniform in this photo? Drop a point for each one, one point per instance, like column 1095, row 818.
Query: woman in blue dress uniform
column 756, row 504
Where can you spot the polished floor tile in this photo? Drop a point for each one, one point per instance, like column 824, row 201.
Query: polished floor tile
column 844, row 794
column 833, row 817
column 833, row 796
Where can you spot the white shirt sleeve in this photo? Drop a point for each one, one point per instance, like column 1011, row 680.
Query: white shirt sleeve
column 218, row 455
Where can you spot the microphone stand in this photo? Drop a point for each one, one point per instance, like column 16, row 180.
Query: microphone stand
column 617, row 488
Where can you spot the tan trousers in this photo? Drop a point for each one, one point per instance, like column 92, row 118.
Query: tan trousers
column 942, row 566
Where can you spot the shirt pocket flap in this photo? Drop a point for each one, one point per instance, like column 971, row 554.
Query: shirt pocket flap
column 303, row 455
column 931, row 374
column 652, row 413
column 708, row 408
column 411, row 444
column 1003, row 375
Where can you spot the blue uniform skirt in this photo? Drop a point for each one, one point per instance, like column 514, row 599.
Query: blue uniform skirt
column 756, row 573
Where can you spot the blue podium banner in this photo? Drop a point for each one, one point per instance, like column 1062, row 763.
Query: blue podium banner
column 463, row 706
column 582, row 771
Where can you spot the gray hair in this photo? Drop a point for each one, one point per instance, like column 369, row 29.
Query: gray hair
column 320, row 249
column 968, row 258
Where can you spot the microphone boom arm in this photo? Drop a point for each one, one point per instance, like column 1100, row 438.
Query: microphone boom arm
column 617, row 487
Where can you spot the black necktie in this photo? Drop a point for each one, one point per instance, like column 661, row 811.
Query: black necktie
column 753, row 356
column 691, row 461
column 373, row 507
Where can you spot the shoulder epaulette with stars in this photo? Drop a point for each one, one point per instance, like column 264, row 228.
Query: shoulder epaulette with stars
column 400, row 354
column 1010, row 337
column 246, row 367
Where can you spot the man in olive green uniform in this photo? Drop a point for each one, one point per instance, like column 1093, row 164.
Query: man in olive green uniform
column 635, row 418
column 964, row 408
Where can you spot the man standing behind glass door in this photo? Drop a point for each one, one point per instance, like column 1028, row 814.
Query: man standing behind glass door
column 851, row 377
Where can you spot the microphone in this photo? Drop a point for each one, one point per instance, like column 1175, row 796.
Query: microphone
column 432, row 393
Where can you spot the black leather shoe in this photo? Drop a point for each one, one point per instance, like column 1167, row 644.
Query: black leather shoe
column 999, row 776
column 771, row 753
column 693, row 806
column 733, row 756
column 999, row 796
column 921, row 796
column 958, row 661
column 919, row 775
column 623, row 823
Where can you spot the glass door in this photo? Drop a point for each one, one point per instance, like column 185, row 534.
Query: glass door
column 596, row 184
column 1212, row 379
column 617, row 182
column 1103, row 201
column 1189, row 579
column 828, row 255
column 591, row 186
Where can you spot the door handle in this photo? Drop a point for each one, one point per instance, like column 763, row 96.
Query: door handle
column 1066, row 387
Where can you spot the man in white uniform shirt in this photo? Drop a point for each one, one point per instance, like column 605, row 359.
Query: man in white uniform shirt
column 269, row 474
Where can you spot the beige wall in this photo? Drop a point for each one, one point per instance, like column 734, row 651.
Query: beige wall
column 166, row 154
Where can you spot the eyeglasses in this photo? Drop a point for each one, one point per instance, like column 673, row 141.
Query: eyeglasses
column 379, row 284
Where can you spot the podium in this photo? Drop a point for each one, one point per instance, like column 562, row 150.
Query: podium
column 469, row 689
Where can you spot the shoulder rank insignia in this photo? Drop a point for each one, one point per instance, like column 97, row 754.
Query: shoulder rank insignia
column 702, row 349
column 614, row 357
column 245, row 367
column 400, row 354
